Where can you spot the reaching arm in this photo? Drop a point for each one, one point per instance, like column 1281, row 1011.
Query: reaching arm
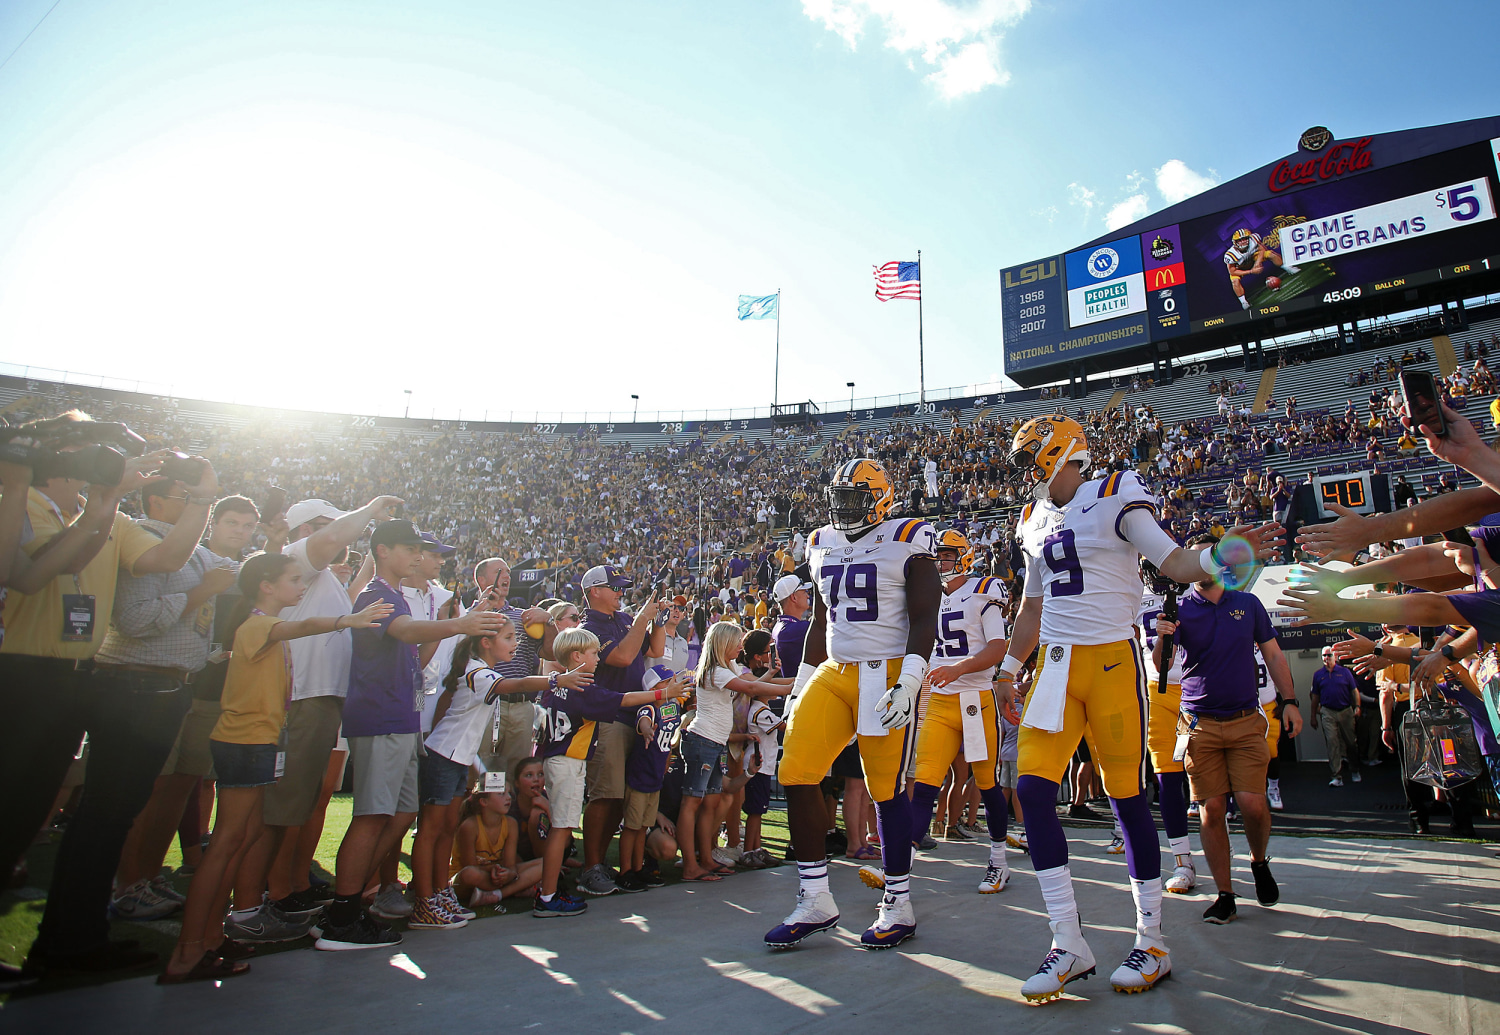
column 324, row 544
column 178, row 545
column 476, row 623
column 1312, row 604
column 924, row 595
column 629, row 646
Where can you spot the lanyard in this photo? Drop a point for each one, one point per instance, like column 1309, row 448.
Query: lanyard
column 56, row 510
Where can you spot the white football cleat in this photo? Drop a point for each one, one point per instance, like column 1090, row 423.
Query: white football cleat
column 1183, row 880
column 995, row 879
column 1116, row 846
column 1142, row 969
column 895, row 922
column 1017, row 841
column 814, row 913
column 872, row 877
column 1060, row 967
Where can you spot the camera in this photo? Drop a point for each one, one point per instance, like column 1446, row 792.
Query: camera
column 1155, row 581
column 46, row 447
column 182, row 468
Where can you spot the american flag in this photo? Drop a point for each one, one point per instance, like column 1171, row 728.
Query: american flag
column 898, row 280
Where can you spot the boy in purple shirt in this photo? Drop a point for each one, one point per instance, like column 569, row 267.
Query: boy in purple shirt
column 656, row 727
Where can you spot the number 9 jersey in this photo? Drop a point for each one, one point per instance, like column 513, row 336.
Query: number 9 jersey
column 863, row 586
column 1079, row 561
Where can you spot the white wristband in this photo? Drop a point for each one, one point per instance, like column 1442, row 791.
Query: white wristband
column 1010, row 665
column 804, row 673
column 1206, row 561
column 914, row 665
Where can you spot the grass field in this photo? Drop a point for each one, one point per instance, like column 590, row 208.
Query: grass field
column 21, row 909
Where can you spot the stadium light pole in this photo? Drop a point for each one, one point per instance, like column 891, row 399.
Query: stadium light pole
column 850, row 385
column 635, row 407
column 408, row 404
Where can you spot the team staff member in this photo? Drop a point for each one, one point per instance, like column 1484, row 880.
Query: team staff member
column 1335, row 696
column 1219, row 631
column 792, row 593
column 1161, row 739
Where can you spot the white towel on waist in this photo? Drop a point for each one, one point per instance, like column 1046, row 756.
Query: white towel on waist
column 972, row 713
column 872, row 688
column 1049, row 693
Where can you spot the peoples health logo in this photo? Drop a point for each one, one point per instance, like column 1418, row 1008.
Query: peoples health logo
column 1105, row 300
column 1103, row 262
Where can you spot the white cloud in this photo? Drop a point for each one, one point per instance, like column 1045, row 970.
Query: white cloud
column 1175, row 181
column 1134, row 182
column 1081, row 196
column 959, row 41
column 1128, row 211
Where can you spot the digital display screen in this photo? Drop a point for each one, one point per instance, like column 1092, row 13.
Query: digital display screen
column 1352, row 491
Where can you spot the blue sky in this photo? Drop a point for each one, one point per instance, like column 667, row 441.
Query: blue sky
column 512, row 207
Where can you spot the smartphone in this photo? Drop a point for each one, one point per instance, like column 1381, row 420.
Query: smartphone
column 272, row 505
column 1459, row 535
column 1420, row 393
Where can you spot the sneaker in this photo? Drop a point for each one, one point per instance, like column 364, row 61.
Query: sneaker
column 927, row 843
column 973, row 830
column 449, row 898
column 1142, row 970
column 995, row 879
column 298, row 904
column 814, row 913
column 1266, row 891
column 958, row 834
column 1354, row 775
column 895, row 921
column 163, row 887
column 1273, row 797
column 266, row 926
column 140, row 901
column 1222, row 911
column 1058, row 968
column 1082, row 812
column 1183, row 880
column 364, row 933
column 1116, row 846
column 654, row 879
column 479, row 898
column 391, row 904
column 561, row 905
column 431, row 914
column 1337, row 781
column 595, row 881
column 726, row 856
column 872, row 877
column 1017, row 841
column 630, row 882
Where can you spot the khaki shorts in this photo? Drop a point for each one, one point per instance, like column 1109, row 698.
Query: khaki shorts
column 641, row 808
column 606, row 769
column 565, row 777
column 312, row 729
column 515, row 735
column 190, row 755
column 1224, row 756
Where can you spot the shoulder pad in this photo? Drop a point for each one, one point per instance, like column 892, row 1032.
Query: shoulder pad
column 1026, row 512
column 910, row 530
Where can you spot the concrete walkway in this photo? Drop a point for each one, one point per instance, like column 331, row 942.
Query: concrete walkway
column 1370, row 937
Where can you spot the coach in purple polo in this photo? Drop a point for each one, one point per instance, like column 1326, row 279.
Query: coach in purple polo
column 624, row 648
column 1225, row 728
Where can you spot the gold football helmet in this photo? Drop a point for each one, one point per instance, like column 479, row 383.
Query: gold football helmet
column 1043, row 445
column 953, row 539
column 861, row 494
column 1241, row 237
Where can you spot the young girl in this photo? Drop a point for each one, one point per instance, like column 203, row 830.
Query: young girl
column 703, row 745
column 244, row 745
column 486, row 867
column 464, row 712
column 530, row 808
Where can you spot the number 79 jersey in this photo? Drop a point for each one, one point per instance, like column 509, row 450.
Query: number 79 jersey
column 972, row 616
column 1080, row 563
column 863, row 585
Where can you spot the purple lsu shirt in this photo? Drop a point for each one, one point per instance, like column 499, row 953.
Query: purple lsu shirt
column 385, row 675
column 1219, row 675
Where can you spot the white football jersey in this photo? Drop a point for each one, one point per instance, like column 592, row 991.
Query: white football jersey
column 972, row 616
column 1150, row 612
column 1080, row 563
column 863, row 586
column 1242, row 258
column 1263, row 682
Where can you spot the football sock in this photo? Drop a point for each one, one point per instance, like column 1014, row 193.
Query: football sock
column 996, row 813
column 893, row 819
column 813, row 876
column 1057, row 893
column 1044, row 831
column 997, row 854
column 900, row 886
column 1182, row 849
column 1147, row 895
column 923, row 801
column 1142, row 850
column 1173, row 801
column 344, row 909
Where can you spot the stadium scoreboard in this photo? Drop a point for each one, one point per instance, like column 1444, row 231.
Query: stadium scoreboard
column 1326, row 232
column 1347, row 490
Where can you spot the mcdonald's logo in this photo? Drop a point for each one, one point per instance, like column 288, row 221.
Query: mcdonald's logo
column 1166, row 276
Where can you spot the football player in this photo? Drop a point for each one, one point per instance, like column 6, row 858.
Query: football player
column 1082, row 540
column 1248, row 253
column 874, row 621
column 1161, row 738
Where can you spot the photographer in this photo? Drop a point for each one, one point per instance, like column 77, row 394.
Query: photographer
column 52, row 701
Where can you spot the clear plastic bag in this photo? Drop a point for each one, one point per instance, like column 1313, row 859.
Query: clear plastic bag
column 1440, row 745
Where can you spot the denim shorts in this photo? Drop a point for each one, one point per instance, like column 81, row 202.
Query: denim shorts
column 243, row 765
column 703, row 766
column 440, row 780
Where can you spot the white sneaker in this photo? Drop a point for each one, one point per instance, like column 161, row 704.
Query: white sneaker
column 1060, row 967
column 141, row 901
column 726, row 856
column 872, row 877
column 1337, row 781
column 1273, row 797
column 1183, row 880
column 1116, row 846
column 814, row 913
column 995, row 879
column 895, row 921
column 163, row 887
column 1017, row 841
column 391, row 904
column 1142, row 969
column 1354, row 775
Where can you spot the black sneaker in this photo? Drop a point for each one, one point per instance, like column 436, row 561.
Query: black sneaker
column 1082, row 812
column 364, row 933
column 1266, row 891
column 1222, row 911
column 652, row 879
column 300, row 904
column 630, row 881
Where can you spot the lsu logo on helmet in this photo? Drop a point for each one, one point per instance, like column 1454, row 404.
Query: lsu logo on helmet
column 1043, row 445
column 1241, row 237
column 963, row 562
column 859, row 495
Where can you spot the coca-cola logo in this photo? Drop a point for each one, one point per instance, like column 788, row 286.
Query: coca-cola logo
column 1340, row 159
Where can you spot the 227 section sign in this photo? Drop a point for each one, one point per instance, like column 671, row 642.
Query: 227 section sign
column 1401, row 219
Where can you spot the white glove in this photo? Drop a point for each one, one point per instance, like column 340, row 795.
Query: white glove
column 897, row 705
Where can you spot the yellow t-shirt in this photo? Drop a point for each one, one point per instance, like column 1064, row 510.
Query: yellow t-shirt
column 255, row 687
column 34, row 621
column 1400, row 675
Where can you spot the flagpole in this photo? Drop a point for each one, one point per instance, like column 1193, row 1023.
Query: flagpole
column 776, row 377
column 921, row 356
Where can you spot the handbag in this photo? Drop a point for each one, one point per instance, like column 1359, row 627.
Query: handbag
column 1441, row 748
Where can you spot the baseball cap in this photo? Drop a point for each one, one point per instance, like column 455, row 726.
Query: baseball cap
column 787, row 585
column 655, row 674
column 393, row 533
column 680, row 600
column 430, row 542
column 303, row 511
column 605, row 575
